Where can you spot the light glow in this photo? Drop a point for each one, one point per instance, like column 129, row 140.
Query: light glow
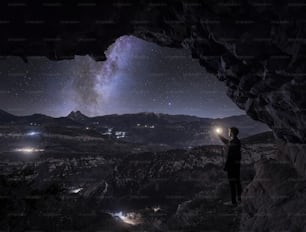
column 129, row 218
column 77, row 190
column 29, row 150
column 218, row 130
column 33, row 133
column 156, row 209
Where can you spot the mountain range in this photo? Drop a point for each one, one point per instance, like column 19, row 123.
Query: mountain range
column 175, row 131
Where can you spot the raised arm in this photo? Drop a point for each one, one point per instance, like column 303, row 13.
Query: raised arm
column 224, row 140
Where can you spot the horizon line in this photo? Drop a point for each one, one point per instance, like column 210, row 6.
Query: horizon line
column 120, row 114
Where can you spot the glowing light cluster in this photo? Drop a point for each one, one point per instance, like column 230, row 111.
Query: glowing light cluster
column 156, row 209
column 77, row 190
column 29, row 150
column 32, row 133
column 129, row 218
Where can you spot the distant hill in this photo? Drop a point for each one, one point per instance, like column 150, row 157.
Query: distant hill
column 35, row 120
column 176, row 131
column 77, row 116
column 6, row 117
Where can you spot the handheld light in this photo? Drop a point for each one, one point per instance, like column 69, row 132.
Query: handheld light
column 218, row 130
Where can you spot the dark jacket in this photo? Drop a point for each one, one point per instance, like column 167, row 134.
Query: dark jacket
column 233, row 154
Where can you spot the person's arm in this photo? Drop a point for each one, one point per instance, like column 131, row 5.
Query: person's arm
column 224, row 140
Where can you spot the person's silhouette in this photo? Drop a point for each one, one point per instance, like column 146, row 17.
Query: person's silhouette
column 232, row 163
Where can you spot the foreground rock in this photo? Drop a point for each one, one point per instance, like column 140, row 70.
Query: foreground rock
column 275, row 199
column 171, row 190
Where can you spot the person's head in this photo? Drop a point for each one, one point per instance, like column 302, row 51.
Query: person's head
column 233, row 132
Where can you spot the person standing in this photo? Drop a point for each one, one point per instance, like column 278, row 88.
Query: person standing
column 232, row 163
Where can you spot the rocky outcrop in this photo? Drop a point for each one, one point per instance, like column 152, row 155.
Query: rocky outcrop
column 275, row 198
column 256, row 48
column 205, row 213
column 77, row 116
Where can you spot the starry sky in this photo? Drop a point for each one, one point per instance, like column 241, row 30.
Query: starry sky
column 137, row 76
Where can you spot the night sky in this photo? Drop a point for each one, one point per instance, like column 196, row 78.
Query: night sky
column 137, row 77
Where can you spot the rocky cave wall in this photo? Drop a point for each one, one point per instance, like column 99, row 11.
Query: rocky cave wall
column 256, row 47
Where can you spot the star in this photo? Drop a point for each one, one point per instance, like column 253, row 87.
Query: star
column 137, row 76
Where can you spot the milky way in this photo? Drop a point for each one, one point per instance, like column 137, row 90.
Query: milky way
column 94, row 85
column 136, row 77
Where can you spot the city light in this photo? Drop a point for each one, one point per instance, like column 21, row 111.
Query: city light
column 32, row 133
column 156, row 209
column 128, row 218
column 77, row 190
column 29, row 150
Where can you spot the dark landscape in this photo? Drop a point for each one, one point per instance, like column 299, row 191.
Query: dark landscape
column 79, row 175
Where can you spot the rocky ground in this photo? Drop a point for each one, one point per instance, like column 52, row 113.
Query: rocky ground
column 176, row 190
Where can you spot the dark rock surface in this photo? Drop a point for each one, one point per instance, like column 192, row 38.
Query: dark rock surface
column 275, row 199
column 81, row 191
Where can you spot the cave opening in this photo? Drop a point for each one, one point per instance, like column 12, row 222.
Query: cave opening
column 137, row 76
column 143, row 102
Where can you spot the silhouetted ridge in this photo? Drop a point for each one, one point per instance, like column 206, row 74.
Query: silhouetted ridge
column 77, row 116
column 6, row 117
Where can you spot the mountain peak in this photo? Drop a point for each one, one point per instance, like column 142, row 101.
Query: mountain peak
column 6, row 117
column 77, row 115
column 2, row 112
